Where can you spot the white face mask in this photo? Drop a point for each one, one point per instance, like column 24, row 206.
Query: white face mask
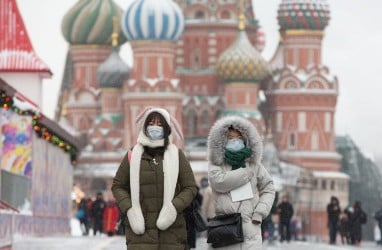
column 235, row 144
column 155, row 132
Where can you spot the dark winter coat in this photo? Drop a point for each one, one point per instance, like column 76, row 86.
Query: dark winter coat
column 98, row 207
column 191, row 227
column 151, row 185
column 285, row 212
column 356, row 224
column 333, row 213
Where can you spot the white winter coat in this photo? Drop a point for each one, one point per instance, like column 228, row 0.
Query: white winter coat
column 222, row 180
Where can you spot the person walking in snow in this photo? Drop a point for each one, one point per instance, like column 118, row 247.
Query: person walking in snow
column 155, row 186
column 234, row 155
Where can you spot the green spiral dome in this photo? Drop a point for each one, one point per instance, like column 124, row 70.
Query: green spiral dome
column 91, row 22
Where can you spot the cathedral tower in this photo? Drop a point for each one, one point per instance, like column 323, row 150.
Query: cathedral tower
column 87, row 27
column 211, row 27
column 153, row 27
column 303, row 96
column 301, row 104
column 242, row 68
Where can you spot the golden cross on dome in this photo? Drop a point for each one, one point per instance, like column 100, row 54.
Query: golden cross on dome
column 114, row 35
column 241, row 16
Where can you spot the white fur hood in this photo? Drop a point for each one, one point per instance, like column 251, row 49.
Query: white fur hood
column 217, row 139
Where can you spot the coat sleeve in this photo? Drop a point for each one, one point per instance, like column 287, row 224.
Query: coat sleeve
column 186, row 182
column 223, row 181
column 266, row 194
column 121, row 185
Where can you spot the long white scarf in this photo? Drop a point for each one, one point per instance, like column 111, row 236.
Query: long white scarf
column 170, row 170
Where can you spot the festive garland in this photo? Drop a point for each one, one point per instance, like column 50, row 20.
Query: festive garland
column 42, row 131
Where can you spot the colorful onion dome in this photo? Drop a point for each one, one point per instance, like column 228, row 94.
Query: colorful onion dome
column 112, row 72
column 303, row 14
column 153, row 20
column 241, row 62
column 91, row 22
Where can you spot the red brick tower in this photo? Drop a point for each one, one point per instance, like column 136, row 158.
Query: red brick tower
column 89, row 104
column 243, row 69
column 211, row 27
column 88, row 28
column 301, row 103
column 153, row 27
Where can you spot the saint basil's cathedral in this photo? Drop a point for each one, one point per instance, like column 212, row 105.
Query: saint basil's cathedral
column 201, row 59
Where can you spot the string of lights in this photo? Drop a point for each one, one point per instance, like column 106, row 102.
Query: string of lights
column 42, row 131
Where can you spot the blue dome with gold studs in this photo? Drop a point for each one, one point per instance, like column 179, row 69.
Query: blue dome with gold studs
column 153, row 20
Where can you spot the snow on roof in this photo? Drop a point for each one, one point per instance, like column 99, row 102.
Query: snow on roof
column 114, row 141
column 174, row 82
column 198, row 100
column 24, row 103
column 16, row 52
column 330, row 174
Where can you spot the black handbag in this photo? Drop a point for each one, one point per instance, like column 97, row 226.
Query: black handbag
column 225, row 230
column 199, row 219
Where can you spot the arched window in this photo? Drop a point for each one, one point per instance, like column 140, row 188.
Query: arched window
column 332, row 185
column 199, row 14
column 292, row 141
column 84, row 123
column 196, row 58
column 225, row 14
column 315, row 141
column 205, row 119
column 192, row 120
column 218, row 114
column 323, row 184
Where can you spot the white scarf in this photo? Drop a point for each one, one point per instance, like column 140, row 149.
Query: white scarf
column 170, row 170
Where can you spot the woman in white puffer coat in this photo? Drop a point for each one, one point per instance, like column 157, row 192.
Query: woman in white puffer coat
column 234, row 154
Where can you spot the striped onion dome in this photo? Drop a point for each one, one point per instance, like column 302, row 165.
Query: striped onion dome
column 303, row 14
column 241, row 62
column 153, row 20
column 91, row 22
column 112, row 72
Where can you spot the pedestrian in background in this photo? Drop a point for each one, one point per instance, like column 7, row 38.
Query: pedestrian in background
column 234, row 155
column 344, row 228
column 154, row 184
column 285, row 211
column 378, row 218
column 82, row 215
column 110, row 217
column 333, row 209
column 98, row 208
column 357, row 218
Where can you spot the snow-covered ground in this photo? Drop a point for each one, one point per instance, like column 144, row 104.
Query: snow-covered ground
column 118, row 243
column 102, row 242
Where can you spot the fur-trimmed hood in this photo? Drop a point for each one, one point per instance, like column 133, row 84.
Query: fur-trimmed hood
column 217, row 139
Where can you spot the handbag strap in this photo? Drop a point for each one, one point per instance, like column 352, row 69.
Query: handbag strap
column 238, row 207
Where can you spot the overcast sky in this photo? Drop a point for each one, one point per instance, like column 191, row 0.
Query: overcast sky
column 351, row 49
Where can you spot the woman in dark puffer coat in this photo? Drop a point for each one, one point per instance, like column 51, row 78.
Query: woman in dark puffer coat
column 155, row 186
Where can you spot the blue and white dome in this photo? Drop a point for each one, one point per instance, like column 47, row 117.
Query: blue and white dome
column 153, row 20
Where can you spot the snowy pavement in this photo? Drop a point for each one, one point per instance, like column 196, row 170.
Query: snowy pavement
column 118, row 243
column 102, row 242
